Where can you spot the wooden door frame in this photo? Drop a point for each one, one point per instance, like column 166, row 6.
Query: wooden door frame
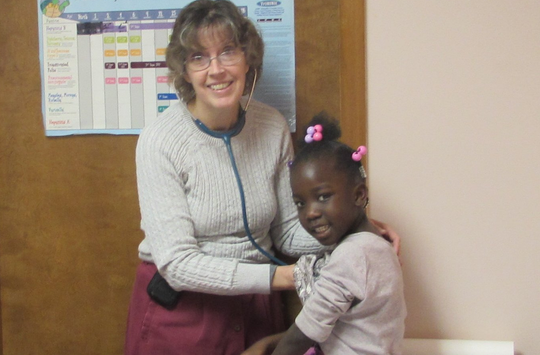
column 330, row 64
column 353, row 113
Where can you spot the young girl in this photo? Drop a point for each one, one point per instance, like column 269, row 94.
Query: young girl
column 353, row 298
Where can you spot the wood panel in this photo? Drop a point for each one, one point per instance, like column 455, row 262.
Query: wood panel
column 317, row 30
column 69, row 218
column 352, row 72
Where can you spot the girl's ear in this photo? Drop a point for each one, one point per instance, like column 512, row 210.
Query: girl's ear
column 360, row 194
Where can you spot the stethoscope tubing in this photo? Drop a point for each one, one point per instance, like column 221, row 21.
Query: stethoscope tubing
column 227, row 140
column 226, row 137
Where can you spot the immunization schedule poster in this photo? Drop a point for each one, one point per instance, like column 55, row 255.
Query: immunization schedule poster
column 103, row 65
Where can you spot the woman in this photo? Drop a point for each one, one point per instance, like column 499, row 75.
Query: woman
column 212, row 172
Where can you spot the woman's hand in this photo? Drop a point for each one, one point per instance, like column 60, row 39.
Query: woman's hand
column 283, row 278
column 389, row 233
column 265, row 346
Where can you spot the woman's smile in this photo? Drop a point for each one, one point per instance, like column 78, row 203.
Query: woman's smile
column 220, row 86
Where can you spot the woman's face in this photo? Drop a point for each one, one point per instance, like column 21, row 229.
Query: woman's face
column 219, row 86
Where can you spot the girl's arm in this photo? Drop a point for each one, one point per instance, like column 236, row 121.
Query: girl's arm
column 265, row 346
column 294, row 342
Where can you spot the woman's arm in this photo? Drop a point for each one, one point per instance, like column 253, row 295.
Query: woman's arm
column 283, row 278
column 389, row 233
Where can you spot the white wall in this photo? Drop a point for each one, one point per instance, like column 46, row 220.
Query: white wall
column 454, row 143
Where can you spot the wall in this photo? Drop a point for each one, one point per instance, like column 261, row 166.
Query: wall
column 453, row 133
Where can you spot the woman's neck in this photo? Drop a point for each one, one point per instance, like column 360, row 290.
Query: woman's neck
column 222, row 119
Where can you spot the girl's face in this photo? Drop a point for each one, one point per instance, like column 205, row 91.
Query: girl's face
column 217, row 87
column 329, row 205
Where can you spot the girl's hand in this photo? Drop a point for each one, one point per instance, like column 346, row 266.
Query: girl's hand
column 265, row 346
column 283, row 278
column 389, row 233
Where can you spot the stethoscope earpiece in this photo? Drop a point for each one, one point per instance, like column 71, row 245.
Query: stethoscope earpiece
column 252, row 89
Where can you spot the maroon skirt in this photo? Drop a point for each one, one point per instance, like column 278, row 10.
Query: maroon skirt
column 200, row 323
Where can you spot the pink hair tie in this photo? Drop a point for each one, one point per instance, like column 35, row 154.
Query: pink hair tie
column 314, row 133
column 360, row 152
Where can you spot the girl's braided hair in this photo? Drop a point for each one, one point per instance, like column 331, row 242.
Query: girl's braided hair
column 329, row 148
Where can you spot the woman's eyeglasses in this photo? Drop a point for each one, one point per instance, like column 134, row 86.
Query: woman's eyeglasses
column 198, row 62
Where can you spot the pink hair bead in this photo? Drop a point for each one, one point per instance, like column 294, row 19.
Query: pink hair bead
column 361, row 151
column 314, row 133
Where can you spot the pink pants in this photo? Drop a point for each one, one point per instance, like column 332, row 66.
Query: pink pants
column 200, row 324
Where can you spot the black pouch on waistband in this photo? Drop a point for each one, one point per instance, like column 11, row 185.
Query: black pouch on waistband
column 159, row 290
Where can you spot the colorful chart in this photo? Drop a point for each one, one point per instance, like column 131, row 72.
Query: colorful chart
column 105, row 72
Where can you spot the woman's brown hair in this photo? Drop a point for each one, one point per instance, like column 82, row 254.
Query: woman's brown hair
column 218, row 16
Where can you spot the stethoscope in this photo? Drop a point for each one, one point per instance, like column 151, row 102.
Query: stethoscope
column 226, row 137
